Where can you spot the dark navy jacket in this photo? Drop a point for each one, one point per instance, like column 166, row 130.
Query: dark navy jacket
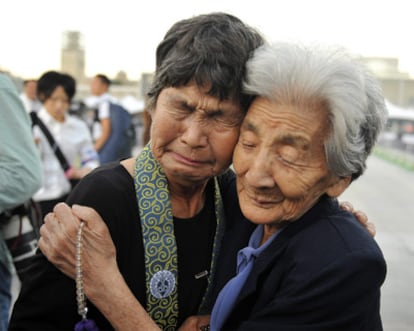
column 322, row 272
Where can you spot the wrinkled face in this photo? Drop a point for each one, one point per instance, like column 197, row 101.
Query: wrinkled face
column 57, row 104
column 280, row 161
column 193, row 134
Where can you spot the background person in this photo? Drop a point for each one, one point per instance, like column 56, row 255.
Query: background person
column 100, row 100
column 20, row 176
column 113, row 128
column 29, row 96
column 55, row 91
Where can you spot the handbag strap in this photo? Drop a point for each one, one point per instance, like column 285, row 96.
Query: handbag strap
column 55, row 147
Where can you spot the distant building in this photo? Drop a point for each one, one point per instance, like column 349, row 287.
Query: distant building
column 121, row 78
column 73, row 55
column 73, row 62
column 118, row 91
column 398, row 86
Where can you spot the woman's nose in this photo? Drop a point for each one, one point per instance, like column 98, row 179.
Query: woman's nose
column 260, row 171
column 195, row 134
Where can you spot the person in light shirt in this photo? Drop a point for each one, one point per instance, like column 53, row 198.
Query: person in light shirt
column 100, row 100
column 55, row 91
column 29, row 96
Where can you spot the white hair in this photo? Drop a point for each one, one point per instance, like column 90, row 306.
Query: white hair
column 291, row 73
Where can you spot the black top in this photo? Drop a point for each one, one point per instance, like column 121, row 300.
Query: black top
column 47, row 300
column 194, row 238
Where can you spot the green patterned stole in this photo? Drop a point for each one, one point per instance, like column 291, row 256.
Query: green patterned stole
column 160, row 249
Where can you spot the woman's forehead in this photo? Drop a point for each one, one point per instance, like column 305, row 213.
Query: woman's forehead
column 198, row 97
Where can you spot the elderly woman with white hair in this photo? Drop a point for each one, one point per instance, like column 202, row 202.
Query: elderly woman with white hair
column 308, row 265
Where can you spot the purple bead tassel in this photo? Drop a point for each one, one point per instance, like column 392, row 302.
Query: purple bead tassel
column 86, row 325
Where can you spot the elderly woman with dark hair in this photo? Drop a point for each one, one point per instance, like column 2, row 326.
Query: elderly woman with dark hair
column 308, row 265
column 165, row 208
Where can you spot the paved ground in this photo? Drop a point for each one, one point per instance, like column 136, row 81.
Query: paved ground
column 386, row 194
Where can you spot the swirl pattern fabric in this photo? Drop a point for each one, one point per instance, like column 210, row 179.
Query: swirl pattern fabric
column 161, row 262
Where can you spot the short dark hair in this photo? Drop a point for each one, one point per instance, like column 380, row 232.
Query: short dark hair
column 211, row 50
column 50, row 80
column 104, row 79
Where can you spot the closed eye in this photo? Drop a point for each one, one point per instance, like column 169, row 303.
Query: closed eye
column 248, row 144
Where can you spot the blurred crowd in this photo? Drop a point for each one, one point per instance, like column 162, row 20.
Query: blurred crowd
column 49, row 143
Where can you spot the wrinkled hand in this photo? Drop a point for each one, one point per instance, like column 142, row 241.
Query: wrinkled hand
column 360, row 216
column 58, row 238
column 58, row 244
column 194, row 323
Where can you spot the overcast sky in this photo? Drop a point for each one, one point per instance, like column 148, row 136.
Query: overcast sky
column 123, row 34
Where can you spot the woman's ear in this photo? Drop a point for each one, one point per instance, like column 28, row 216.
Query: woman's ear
column 339, row 185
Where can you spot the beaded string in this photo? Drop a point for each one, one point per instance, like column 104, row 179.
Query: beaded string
column 80, row 295
column 85, row 324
